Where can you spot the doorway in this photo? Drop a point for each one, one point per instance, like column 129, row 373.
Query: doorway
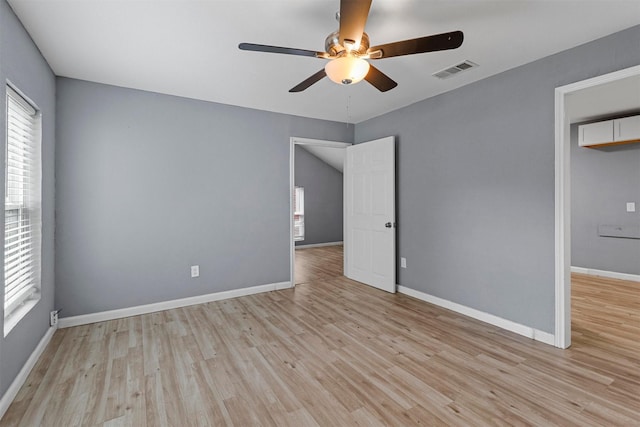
column 316, row 213
column 565, row 115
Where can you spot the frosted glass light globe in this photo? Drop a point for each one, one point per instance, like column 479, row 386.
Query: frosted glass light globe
column 347, row 69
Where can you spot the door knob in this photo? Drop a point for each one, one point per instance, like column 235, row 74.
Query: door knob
column 388, row 225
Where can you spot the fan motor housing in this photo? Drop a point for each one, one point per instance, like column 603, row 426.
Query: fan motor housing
column 334, row 48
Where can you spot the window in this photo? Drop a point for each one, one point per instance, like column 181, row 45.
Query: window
column 22, row 211
column 298, row 213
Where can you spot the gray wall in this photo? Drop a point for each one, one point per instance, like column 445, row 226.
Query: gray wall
column 149, row 184
column 602, row 181
column 476, row 183
column 22, row 64
column 323, row 211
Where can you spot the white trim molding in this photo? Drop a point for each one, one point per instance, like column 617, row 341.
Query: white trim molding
column 562, row 227
column 563, row 200
column 22, row 376
column 85, row 319
column 509, row 325
column 604, row 273
column 319, row 245
column 14, row 318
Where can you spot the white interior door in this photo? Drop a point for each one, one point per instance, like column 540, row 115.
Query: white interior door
column 369, row 229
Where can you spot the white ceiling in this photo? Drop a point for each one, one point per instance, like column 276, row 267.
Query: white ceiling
column 332, row 156
column 189, row 48
column 618, row 97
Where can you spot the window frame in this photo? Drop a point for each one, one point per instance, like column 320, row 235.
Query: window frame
column 298, row 214
column 29, row 207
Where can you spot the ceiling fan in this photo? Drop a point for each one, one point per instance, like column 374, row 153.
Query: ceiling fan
column 348, row 49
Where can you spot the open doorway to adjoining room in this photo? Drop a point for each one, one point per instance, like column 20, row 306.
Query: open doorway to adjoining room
column 317, row 211
column 589, row 276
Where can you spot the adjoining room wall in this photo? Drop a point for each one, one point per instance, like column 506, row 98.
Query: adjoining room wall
column 476, row 183
column 22, row 64
column 603, row 180
column 322, row 198
column 150, row 184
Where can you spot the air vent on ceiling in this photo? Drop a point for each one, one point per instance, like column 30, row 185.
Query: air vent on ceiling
column 448, row 72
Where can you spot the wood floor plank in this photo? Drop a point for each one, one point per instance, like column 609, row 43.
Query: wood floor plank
column 318, row 264
column 336, row 352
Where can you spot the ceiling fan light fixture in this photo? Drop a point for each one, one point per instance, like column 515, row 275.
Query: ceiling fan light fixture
column 347, row 69
column 348, row 49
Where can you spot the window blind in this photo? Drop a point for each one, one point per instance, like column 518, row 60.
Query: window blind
column 298, row 213
column 22, row 223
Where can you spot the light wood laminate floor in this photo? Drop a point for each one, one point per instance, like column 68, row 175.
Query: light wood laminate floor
column 338, row 353
column 317, row 264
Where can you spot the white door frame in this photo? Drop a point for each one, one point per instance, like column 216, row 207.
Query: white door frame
column 294, row 140
column 563, row 200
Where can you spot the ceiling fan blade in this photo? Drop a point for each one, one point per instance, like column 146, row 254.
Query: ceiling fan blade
column 285, row 50
column 353, row 18
column 379, row 80
column 308, row 82
column 433, row 43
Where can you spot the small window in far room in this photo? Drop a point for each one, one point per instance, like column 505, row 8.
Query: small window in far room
column 298, row 214
column 22, row 209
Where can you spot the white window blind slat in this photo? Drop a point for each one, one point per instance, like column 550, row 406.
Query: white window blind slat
column 16, row 225
column 298, row 213
column 17, row 257
column 22, row 240
column 25, row 278
column 16, row 281
column 25, row 294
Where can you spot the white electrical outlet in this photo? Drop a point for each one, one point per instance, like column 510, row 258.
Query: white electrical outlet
column 403, row 262
column 631, row 206
column 53, row 318
column 195, row 271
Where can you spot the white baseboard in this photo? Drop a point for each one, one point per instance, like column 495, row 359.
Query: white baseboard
column 85, row 319
column 20, row 379
column 604, row 273
column 282, row 285
column 319, row 245
column 526, row 331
